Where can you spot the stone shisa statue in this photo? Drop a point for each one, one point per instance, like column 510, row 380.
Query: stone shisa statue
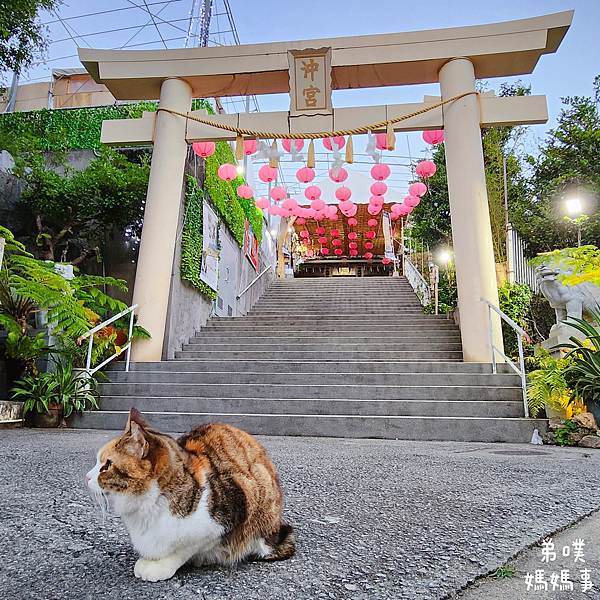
column 566, row 300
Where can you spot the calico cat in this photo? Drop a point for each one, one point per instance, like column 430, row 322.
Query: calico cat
column 211, row 497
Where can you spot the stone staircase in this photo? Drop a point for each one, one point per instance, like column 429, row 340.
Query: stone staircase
column 339, row 357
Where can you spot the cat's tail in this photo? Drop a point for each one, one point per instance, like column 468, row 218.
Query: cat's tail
column 282, row 544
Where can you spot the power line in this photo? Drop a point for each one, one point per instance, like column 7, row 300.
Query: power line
column 105, row 12
column 153, row 21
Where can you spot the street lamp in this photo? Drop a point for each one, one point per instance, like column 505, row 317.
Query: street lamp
column 444, row 257
column 575, row 215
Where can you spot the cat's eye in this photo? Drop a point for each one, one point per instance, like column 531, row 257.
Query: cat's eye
column 105, row 466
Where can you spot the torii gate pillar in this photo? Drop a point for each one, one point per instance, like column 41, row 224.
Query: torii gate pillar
column 469, row 212
column 161, row 216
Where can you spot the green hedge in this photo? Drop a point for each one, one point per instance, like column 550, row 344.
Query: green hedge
column 191, row 239
column 79, row 129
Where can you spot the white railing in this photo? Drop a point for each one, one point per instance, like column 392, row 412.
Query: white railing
column 417, row 282
column 521, row 333
column 127, row 347
column 253, row 282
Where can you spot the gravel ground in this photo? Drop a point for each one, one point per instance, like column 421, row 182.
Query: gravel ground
column 375, row 519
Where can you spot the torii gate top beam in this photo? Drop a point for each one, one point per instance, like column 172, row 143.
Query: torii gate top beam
column 497, row 49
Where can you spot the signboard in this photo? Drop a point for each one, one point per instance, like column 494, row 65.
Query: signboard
column 250, row 245
column 387, row 235
column 310, row 81
column 209, row 269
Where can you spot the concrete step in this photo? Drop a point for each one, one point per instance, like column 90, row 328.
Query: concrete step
column 311, row 346
column 398, row 325
column 321, row 355
column 426, row 408
column 328, row 303
column 266, row 337
column 388, row 312
column 319, row 374
column 300, row 366
column 467, row 429
column 352, row 319
column 350, row 332
column 319, row 391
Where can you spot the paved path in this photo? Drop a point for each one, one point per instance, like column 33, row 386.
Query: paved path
column 376, row 520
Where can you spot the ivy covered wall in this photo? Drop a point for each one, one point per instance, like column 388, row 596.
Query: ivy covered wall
column 79, row 128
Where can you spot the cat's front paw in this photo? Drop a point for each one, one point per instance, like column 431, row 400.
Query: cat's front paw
column 154, row 570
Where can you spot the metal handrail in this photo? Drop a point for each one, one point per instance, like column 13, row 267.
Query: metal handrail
column 412, row 271
column 127, row 347
column 253, row 282
column 521, row 333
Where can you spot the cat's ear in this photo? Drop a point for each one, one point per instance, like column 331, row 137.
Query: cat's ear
column 137, row 444
column 135, row 416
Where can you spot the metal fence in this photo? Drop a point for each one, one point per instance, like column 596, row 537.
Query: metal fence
column 519, row 270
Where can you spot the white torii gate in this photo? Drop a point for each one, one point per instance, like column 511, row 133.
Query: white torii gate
column 455, row 57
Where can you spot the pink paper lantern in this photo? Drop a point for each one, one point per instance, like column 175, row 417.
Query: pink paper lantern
column 310, row 253
column 352, row 235
column 227, row 172
column 380, row 172
column 324, row 251
column 278, row 193
column 435, row 136
column 312, row 192
column 381, row 141
column 343, row 193
column 425, row 169
column 245, row 191
column 369, row 234
column 353, row 252
column 374, row 209
column 400, row 210
column 332, row 210
column 336, row 242
column 417, row 189
column 322, row 240
column 204, row 149
column 284, row 212
column 372, row 222
column 352, row 211
column 385, row 260
column 289, row 204
column 338, row 141
column 310, row 212
column 300, row 221
column 287, row 144
column 267, row 174
column 274, row 210
column 338, row 175
column 368, row 245
column 317, row 204
column 250, row 147
column 338, row 252
column 334, row 233
column 412, row 201
column 368, row 255
column 346, row 205
column 320, row 230
column 376, row 200
column 352, row 222
column 378, row 188
column 304, row 234
column 319, row 215
column 352, row 245
column 262, row 203
column 305, row 174
column 333, row 217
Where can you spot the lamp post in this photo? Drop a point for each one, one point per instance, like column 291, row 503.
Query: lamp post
column 575, row 215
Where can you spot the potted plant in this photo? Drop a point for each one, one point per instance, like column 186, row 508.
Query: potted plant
column 583, row 371
column 76, row 390
column 40, row 401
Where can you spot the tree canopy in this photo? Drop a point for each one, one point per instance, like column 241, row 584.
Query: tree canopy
column 22, row 36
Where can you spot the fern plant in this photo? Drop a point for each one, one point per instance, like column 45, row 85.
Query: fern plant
column 583, row 371
column 547, row 385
